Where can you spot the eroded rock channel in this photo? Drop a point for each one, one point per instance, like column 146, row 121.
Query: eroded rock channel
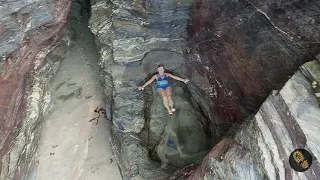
column 187, row 124
column 134, row 39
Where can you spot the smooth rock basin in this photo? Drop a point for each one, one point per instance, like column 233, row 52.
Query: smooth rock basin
column 252, row 98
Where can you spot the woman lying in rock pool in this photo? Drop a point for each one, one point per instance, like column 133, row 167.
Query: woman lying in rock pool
column 164, row 87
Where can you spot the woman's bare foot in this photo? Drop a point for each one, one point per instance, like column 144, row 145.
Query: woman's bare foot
column 170, row 112
column 173, row 109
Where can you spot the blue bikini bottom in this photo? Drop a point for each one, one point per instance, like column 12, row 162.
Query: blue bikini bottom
column 170, row 143
column 163, row 87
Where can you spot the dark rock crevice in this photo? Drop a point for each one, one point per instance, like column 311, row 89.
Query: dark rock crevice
column 145, row 132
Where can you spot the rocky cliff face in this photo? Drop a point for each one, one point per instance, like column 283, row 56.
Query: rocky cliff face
column 244, row 49
column 261, row 146
column 234, row 52
column 29, row 32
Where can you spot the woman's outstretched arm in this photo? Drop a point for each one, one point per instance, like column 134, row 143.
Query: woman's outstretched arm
column 177, row 78
column 148, row 82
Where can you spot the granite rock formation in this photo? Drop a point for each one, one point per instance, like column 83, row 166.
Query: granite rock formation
column 31, row 48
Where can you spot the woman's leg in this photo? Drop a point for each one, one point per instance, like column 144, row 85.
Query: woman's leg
column 162, row 92
column 169, row 92
column 174, row 138
column 161, row 151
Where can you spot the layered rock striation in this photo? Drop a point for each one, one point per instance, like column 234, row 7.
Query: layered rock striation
column 234, row 53
column 261, row 146
column 29, row 32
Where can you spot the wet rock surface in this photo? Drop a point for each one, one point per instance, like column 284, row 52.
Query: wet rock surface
column 134, row 36
column 141, row 117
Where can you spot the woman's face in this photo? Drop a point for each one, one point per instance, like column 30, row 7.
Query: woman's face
column 161, row 70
